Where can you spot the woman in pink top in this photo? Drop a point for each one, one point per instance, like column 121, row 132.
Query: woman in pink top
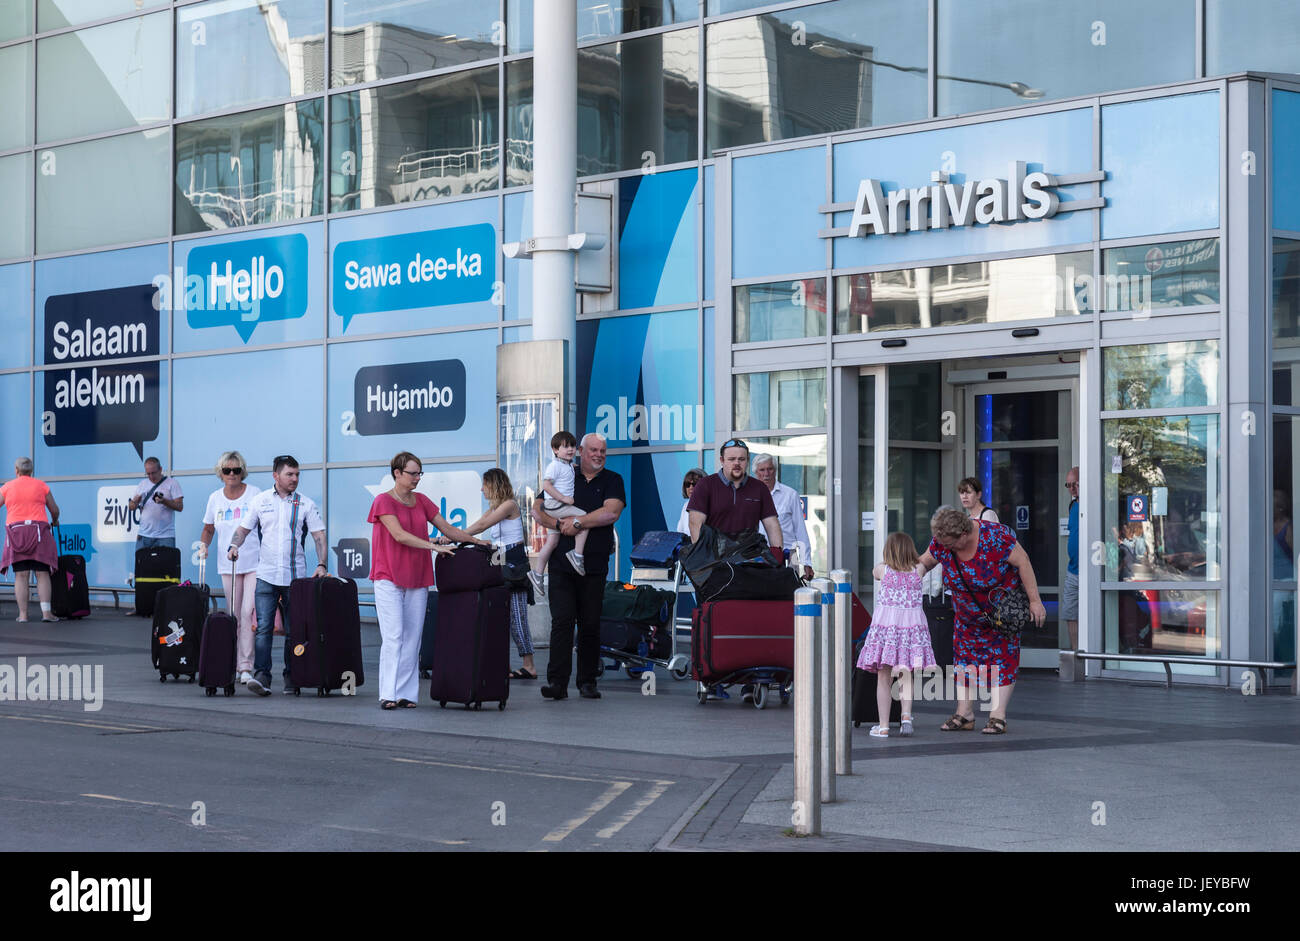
column 402, row 572
column 29, row 543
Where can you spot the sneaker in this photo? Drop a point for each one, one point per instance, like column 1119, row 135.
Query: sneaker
column 539, row 583
column 879, row 731
column 245, row 677
column 906, row 729
column 255, row 685
column 576, row 561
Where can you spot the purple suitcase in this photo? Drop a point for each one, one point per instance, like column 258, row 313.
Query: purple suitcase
column 471, row 659
column 324, row 634
column 217, row 651
column 470, row 568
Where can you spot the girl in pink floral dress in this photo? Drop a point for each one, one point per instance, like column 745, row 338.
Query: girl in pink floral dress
column 899, row 636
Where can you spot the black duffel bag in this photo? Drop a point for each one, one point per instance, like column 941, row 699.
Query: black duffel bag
column 736, row 567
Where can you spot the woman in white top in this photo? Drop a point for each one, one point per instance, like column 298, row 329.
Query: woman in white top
column 688, row 484
column 504, row 518
column 972, row 500
column 227, row 508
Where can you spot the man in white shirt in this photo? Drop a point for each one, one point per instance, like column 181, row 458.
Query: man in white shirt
column 284, row 518
column 789, row 511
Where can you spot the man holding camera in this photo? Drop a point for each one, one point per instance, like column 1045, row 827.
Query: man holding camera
column 161, row 498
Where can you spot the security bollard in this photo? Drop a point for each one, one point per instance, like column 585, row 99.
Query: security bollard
column 826, row 712
column 842, row 639
column 807, row 816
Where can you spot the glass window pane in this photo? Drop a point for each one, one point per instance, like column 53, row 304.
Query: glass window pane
column 638, row 103
column 976, row 292
column 863, row 583
column 1181, row 622
column 1024, row 416
column 914, row 483
column 250, row 168
column 599, row 18
column 15, row 79
column 1170, row 274
column 377, row 39
column 914, row 412
column 103, row 192
column 415, row 141
column 1286, row 295
column 1161, row 518
column 1286, row 465
column 801, row 465
column 1262, row 35
column 261, row 49
column 1161, row 375
column 15, row 196
column 792, row 398
column 816, row 69
column 15, row 19
column 55, row 14
column 999, row 53
column 100, row 79
column 781, row 310
column 519, row 122
column 15, row 315
column 519, row 26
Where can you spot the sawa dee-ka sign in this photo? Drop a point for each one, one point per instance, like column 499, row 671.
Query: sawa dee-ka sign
column 107, row 402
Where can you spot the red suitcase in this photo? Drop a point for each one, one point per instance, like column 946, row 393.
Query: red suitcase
column 731, row 637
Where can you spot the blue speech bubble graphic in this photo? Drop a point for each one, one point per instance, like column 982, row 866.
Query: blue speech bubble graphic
column 75, row 540
column 415, row 269
column 241, row 284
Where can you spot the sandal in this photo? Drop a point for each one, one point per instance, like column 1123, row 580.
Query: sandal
column 388, row 704
column 522, row 674
column 879, row 731
column 405, row 704
column 995, row 726
column 958, row 723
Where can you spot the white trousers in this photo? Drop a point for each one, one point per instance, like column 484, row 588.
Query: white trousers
column 401, row 624
column 247, row 628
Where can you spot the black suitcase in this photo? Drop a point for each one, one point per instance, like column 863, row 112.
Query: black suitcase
column 156, row 568
column 471, row 660
column 217, row 651
column 427, row 635
column 939, row 618
column 177, row 636
column 324, row 634
column 864, row 698
column 470, row 568
column 70, row 591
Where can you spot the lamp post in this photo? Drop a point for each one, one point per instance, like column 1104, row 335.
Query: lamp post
column 831, row 51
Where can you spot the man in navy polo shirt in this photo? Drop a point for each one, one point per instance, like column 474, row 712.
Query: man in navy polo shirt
column 576, row 599
column 733, row 502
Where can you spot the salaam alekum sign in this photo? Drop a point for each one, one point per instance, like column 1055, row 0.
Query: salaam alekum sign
column 1021, row 196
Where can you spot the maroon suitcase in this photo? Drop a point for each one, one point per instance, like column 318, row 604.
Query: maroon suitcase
column 471, row 648
column 324, row 634
column 728, row 637
column 217, row 650
column 469, row 568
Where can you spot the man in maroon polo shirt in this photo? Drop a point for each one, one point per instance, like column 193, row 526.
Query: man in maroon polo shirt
column 733, row 502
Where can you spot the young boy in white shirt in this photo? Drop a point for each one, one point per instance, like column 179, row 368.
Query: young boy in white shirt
column 557, row 484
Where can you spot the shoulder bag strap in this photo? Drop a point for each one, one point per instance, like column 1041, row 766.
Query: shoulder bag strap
column 957, row 564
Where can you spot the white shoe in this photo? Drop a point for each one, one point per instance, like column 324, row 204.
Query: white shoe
column 576, row 561
column 906, row 728
column 539, row 583
column 245, row 677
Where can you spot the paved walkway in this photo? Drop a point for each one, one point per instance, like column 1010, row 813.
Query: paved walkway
column 1165, row 770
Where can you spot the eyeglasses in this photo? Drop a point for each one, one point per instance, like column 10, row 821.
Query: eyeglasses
column 419, row 473
column 1069, row 485
column 230, row 470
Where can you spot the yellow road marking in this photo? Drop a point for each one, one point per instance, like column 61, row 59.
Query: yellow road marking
column 655, row 792
column 85, row 725
column 599, row 804
column 427, row 839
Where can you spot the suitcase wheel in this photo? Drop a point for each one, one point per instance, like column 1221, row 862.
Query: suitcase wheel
column 191, row 677
column 501, row 706
column 682, row 673
column 321, row 692
column 785, row 697
column 210, row 690
column 297, row 692
column 442, row 703
column 761, row 693
column 230, row 690
column 176, row 677
column 857, row 724
column 162, row 677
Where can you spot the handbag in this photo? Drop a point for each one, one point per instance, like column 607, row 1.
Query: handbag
column 514, row 571
column 1010, row 614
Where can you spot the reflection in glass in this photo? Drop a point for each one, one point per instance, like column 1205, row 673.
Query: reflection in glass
column 638, row 103
column 1000, row 53
column 781, row 310
column 427, row 139
column 600, row 18
column 377, row 39
column 1161, row 375
column 519, row 26
column 55, row 14
column 914, row 485
column 914, row 411
column 1286, row 467
column 1022, row 416
column 519, row 122
column 250, row 168
column 1161, row 517
column 15, row 19
column 1263, row 35
column 105, row 192
column 801, row 465
column 814, row 70
column 107, row 77
column 15, row 79
column 975, row 292
column 1181, row 622
column 792, row 398
column 863, row 583
column 1170, row 274
column 15, row 196
column 261, row 50
column 1286, row 294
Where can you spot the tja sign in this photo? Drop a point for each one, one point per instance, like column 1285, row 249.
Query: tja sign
column 1022, row 196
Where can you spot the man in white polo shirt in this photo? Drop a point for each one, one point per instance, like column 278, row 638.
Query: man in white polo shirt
column 285, row 517
column 789, row 511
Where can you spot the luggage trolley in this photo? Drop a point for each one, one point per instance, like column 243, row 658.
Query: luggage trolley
column 667, row 577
